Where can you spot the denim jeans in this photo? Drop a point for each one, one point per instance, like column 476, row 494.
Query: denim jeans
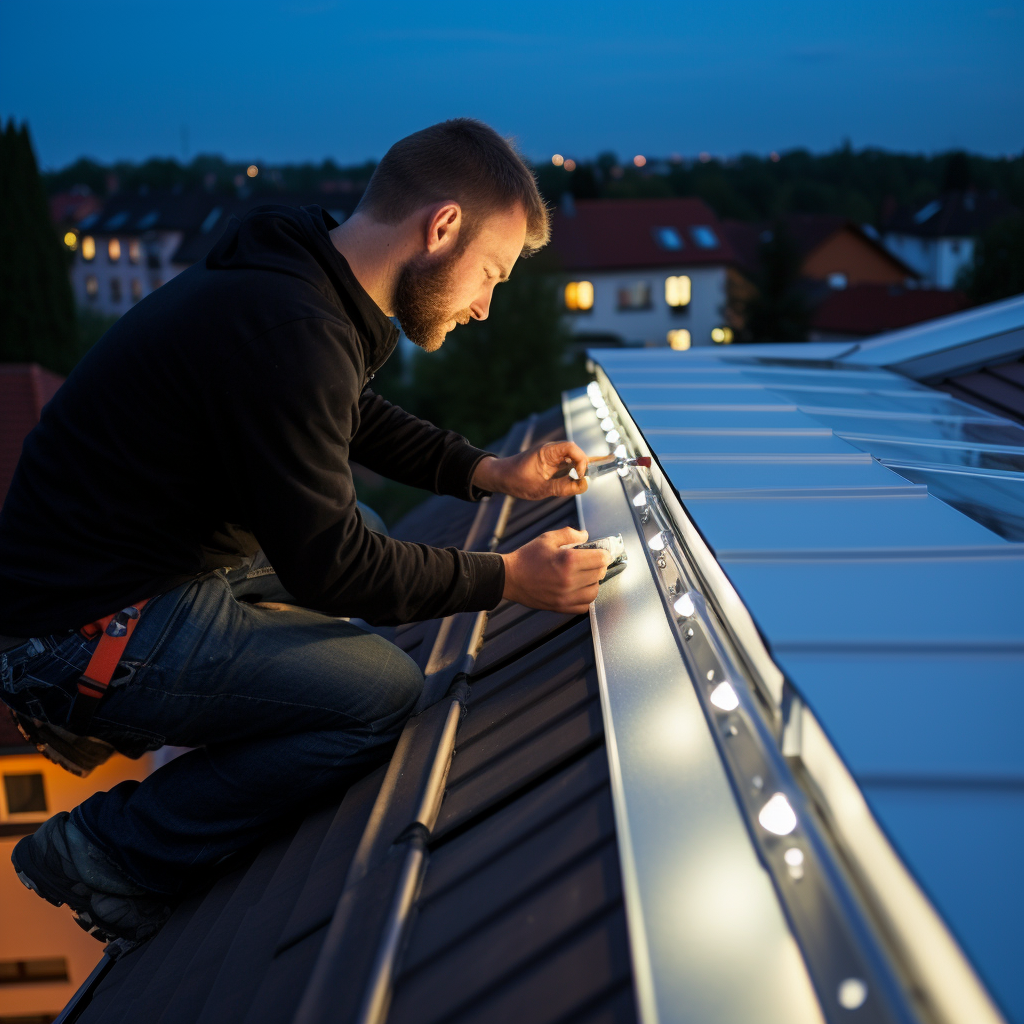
column 285, row 708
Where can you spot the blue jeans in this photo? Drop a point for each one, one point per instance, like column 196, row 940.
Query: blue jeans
column 285, row 708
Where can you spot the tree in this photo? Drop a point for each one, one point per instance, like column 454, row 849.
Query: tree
column 493, row 372
column 779, row 311
column 998, row 270
column 37, row 310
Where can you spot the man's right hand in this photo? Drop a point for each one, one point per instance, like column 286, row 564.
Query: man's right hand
column 545, row 574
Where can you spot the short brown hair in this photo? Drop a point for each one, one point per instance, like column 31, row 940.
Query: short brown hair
column 461, row 159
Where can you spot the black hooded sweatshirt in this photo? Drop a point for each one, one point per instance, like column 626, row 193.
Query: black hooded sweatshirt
column 234, row 396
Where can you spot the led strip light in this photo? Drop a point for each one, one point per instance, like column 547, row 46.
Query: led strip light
column 857, row 975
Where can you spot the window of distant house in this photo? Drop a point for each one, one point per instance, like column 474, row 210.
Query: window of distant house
column 579, row 296
column 115, row 289
column 88, row 248
column 114, row 250
column 721, row 335
column 155, row 282
column 677, row 291
column 134, row 251
column 29, row 972
column 92, row 287
column 635, row 296
column 668, row 238
column 136, row 289
column 704, row 237
column 24, row 793
column 679, row 340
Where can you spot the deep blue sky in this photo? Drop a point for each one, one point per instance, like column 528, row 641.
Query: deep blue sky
column 304, row 79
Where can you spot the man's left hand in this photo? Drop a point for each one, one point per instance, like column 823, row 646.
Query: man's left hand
column 531, row 474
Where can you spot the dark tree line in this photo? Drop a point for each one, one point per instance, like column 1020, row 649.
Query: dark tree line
column 37, row 310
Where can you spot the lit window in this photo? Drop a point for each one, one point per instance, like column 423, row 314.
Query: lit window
column 579, row 296
column 155, row 282
column 134, row 251
column 252, row 170
column 635, row 296
column 71, row 240
column 30, row 972
column 136, row 289
column 115, row 289
column 25, row 793
column 88, row 248
column 677, row 291
column 92, row 286
column 114, row 250
column 704, row 237
column 679, row 340
column 668, row 238
column 721, row 335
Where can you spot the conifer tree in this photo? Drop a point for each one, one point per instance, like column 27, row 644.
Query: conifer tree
column 37, row 310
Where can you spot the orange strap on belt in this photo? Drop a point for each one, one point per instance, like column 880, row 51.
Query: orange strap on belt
column 113, row 631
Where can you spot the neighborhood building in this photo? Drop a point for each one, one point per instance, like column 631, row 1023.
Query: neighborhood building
column 137, row 241
column 643, row 271
column 937, row 239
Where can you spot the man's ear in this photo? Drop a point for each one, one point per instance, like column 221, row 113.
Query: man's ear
column 443, row 225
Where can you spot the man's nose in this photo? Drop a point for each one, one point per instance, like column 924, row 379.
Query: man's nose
column 480, row 308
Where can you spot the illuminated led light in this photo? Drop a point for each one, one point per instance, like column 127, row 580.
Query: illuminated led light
column 657, row 542
column 724, row 696
column 852, row 993
column 607, row 423
column 71, row 240
column 601, row 411
column 777, row 816
column 640, row 499
column 613, row 437
column 623, row 471
column 794, row 857
column 620, row 452
column 594, row 392
column 684, row 606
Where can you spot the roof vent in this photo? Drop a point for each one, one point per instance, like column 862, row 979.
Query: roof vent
column 668, row 238
column 704, row 237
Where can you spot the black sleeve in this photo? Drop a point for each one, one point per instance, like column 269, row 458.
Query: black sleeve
column 396, row 444
column 283, row 444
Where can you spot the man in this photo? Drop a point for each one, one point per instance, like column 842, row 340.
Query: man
column 196, row 463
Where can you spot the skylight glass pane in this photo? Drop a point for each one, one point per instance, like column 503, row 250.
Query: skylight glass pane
column 995, row 500
column 704, row 237
column 668, row 238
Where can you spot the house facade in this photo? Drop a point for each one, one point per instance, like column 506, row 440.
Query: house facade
column 650, row 272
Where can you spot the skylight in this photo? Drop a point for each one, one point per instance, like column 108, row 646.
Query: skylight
column 668, row 238
column 149, row 220
column 704, row 236
column 211, row 218
column 927, row 212
column 117, row 220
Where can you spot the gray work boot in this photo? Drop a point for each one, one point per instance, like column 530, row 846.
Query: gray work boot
column 58, row 863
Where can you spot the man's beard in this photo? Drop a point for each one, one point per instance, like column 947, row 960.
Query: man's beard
column 422, row 302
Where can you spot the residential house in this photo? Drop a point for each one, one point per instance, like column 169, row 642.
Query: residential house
column 937, row 238
column 137, row 241
column 643, row 271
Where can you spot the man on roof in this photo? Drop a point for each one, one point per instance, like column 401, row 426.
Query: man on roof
column 189, row 488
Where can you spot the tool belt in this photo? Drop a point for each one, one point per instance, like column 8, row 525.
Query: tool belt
column 114, row 632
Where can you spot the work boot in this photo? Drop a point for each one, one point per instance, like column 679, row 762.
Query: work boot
column 76, row 754
column 58, row 863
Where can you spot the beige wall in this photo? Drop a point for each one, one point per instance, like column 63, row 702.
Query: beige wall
column 30, row 928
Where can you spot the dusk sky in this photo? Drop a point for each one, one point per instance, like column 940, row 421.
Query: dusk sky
column 300, row 80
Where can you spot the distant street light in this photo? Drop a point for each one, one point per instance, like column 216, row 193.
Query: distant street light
column 252, row 170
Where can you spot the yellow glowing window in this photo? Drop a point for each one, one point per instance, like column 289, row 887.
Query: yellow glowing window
column 92, row 287
column 677, row 291
column 71, row 240
column 721, row 335
column 134, row 251
column 114, row 250
column 579, row 295
column 88, row 248
column 679, row 340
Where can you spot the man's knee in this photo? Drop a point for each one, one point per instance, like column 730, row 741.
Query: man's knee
column 400, row 686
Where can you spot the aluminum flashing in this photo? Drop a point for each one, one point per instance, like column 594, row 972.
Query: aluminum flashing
column 841, row 571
